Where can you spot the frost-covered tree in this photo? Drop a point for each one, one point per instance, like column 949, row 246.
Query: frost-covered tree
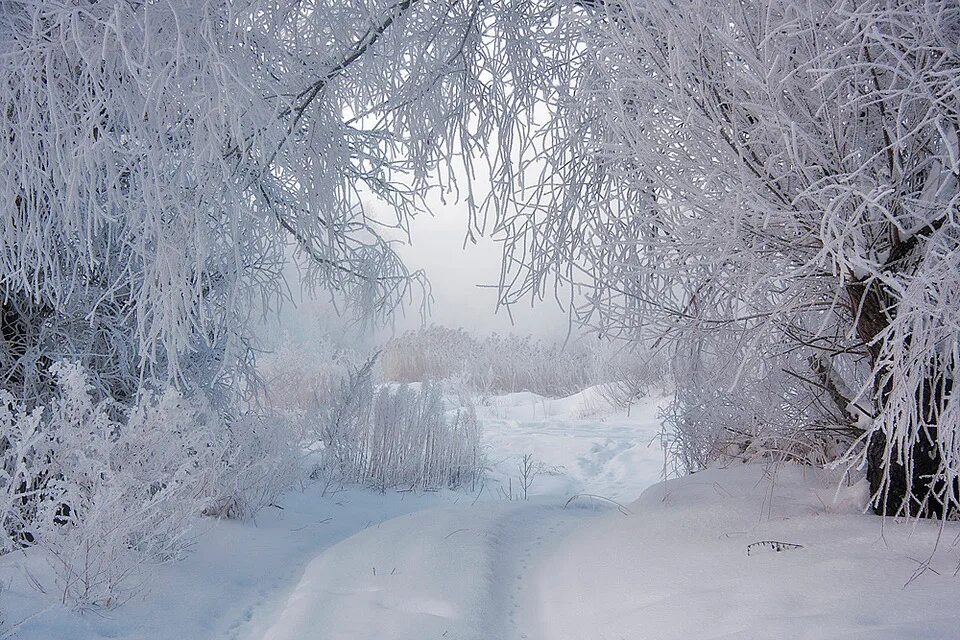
column 769, row 191
column 157, row 159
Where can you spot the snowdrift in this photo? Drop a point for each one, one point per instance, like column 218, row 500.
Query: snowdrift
column 678, row 565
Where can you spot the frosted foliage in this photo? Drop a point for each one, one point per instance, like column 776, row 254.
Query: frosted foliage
column 160, row 156
column 295, row 375
column 768, row 190
column 505, row 363
column 771, row 413
column 259, row 458
column 103, row 497
column 394, row 436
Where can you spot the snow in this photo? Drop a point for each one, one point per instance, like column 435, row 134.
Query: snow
column 581, row 443
column 677, row 566
column 358, row 565
column 235, row 572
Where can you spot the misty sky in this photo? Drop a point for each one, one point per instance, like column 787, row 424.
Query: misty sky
column 456, row 273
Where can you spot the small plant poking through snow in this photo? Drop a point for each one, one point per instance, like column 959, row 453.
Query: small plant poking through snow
column 528, row 473
column 773, row 546
column 528, row 470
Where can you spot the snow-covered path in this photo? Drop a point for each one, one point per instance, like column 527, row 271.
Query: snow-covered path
column 468, row 571
column 523, row 538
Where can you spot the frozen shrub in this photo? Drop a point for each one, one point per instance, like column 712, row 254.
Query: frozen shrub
column 431, row 353
column 294, row 374
column 344, row 410
column 397, row 435
column 414, row 441
column 625, row 373
column 507, row 363
column 260, row 456
column 778, row 407
column 104, row 489
column 22, row 441
column 511, row 363
column 493, row 364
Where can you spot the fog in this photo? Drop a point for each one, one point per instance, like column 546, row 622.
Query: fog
column 463, row 280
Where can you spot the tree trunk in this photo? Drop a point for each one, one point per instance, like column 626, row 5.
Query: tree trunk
column 917, row 488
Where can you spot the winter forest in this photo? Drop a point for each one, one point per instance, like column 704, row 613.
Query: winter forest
column 479, row 319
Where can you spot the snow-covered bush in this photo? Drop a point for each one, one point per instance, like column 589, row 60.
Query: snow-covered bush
column 397, row 435
column 495, row 363
column 104, row 489
column 724, row 411
column 107, row 490
column 511, row 362
column 624, row 373
column 22, row 473
column 295, row 375
column 430, row 353
column 498, row 363
column 261, row 456
column 341, row 416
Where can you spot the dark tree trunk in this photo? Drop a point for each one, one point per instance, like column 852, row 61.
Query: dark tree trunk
column 924, row 494
column 917, row 489
column 23, row 366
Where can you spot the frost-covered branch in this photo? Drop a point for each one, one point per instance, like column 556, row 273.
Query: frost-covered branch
column 751, row 184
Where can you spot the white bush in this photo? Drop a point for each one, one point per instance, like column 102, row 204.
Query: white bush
column 397, row 435
column 768, row 408
column 260, row 457
column 499, row 363
column 104, row 489
column 624, row 373
column 294, row 375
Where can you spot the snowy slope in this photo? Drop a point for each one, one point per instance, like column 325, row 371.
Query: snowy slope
column 582, row 443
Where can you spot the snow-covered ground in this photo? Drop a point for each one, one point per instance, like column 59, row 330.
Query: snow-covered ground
column 677, row 567
column 467, row 571
column 578, row 444
column 243, row 577
column 358, row 565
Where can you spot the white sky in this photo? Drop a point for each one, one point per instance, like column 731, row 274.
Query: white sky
column 457, row 274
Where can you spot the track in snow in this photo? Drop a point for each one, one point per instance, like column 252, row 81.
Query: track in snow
column 519, row 539
column 472, row 570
